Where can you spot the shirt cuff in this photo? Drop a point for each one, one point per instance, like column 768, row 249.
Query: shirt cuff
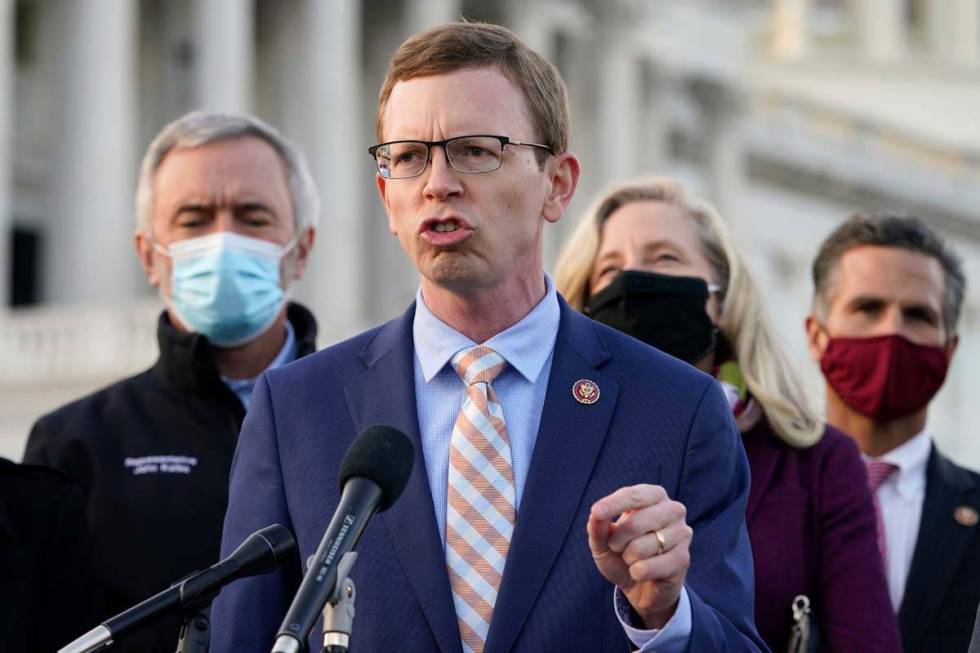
column 672, row 638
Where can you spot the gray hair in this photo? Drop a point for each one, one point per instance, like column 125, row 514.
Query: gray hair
column 889, row 230
column 199, row 128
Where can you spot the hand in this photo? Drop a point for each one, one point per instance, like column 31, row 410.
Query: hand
column 629, row 554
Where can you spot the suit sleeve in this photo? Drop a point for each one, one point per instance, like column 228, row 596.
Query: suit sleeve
column 247, row 613
column 849, row 563
column 714, row 487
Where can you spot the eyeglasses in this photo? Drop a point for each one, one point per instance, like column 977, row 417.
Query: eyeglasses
column 469, row 155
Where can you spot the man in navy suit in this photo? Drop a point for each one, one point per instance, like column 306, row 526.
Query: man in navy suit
column 888, row 293
column 573, row 489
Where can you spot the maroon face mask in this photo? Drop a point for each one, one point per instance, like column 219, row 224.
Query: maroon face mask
column 885, row 377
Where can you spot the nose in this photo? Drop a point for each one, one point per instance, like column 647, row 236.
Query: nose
column 892, row 321
column 224, row 219
column 633, row 260
column 442, row 181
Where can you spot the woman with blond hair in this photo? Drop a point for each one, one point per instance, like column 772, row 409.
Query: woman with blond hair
column 661, row 266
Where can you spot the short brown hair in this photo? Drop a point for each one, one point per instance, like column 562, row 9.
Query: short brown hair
column 889, row 230
column 452, row 46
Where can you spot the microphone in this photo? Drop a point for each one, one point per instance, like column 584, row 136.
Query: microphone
column 262, row 551
column 372, row 475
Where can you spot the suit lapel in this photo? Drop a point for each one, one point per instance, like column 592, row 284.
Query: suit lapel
column 385, row 394
column 568, row 442
column 939, row 548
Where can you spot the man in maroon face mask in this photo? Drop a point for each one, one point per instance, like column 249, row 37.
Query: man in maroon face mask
column 887, row 297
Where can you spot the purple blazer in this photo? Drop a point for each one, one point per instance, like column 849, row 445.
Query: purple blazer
column 812, row 528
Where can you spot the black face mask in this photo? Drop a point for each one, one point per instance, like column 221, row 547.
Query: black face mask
column 665, row 311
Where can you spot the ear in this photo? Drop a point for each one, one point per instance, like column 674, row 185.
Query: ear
column 564, row 170
column 145, row 253
column 382, row 184
column 303, row 246
column 816, row 338
column 951, row 346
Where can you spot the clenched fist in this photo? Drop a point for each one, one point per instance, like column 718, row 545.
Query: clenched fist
column 645, row 551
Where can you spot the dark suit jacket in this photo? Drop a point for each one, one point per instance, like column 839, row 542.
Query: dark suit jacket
column 812, row 527
column 657, row 421
column 48, row 578
column 943, row 587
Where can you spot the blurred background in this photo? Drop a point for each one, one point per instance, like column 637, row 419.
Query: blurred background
column 787, row 114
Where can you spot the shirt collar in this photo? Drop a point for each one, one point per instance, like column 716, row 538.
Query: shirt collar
column 286, row 355
column 910, row 457
column 525, row 345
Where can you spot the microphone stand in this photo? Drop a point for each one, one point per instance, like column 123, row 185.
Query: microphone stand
column 338, row 613
column 195, row 632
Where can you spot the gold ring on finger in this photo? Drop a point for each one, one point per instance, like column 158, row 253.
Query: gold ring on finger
column 661, row 541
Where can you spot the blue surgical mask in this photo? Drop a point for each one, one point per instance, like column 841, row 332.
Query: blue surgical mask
column 226, row 286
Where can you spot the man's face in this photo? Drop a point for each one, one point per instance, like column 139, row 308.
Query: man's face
column 236, row 185
column 877, row 291
column 495, row 218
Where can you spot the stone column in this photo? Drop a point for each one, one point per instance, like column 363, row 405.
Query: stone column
column 789, row 28
column 881, row 26
column 89, row 241
column 723, row 110
column 420, row 15
column 225, row 54
column 618, row 113
column 966, row 32
column 659, row 86
column 335, row 280
column 6, row 149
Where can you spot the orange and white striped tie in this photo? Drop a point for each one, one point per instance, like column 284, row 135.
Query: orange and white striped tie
column 480, row 509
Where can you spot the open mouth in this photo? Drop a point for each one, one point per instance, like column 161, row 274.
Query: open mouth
column 447, row 226
column 445, row 232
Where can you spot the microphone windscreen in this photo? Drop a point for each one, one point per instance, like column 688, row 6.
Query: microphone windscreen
column 384, row 455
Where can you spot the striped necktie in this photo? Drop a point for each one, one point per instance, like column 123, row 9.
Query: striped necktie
column 480, row 509
column 878, row 471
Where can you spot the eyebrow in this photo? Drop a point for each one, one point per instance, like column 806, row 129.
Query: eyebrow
column 250, row 205
column 876, row 299
column 610, row 255
column 246, row 205
column 649, row 247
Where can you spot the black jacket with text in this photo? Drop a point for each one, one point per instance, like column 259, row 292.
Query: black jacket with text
column 152, row 454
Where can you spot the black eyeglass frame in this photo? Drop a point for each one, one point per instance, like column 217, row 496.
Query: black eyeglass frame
column 504, row 142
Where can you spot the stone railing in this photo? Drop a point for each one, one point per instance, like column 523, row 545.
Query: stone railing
column 805, row 143
column 67, row 345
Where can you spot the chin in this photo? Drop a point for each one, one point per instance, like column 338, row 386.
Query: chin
column 457, row 274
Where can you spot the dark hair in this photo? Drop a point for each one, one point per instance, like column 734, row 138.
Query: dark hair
column 890, row 230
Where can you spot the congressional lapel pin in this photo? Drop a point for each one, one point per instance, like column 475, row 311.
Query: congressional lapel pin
column 585, row 391
column 965, row 516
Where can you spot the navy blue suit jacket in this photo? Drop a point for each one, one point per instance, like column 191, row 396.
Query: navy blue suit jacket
column 657, row 421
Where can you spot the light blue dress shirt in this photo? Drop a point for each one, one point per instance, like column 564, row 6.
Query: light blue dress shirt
column 243, row 387
column 528, row 347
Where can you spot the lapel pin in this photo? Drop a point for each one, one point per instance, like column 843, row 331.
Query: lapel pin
column 585, row 391
column 965, row 516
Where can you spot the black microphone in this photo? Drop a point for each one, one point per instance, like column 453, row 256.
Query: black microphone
column 262, row 551
column 372, row 475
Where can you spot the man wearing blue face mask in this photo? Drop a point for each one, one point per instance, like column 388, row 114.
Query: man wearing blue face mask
column 226, row 212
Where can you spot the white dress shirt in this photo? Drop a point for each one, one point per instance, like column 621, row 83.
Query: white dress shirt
column 900, row 497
